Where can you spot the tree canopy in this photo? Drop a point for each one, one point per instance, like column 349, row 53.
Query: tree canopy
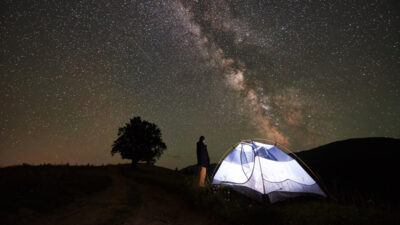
column 139, row 140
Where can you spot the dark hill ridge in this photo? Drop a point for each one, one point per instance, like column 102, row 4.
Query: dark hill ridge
column 368, row 166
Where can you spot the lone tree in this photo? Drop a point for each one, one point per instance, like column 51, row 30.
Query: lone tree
column 139, row 140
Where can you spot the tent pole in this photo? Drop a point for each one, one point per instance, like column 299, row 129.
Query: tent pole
column 301, row 161
column 262, row 176
column 315, row 175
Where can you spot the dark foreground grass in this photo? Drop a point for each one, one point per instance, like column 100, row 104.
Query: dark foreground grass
column 45, row 187
column 234, row 208
column 128, row 207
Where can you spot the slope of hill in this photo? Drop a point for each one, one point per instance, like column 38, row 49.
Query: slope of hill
column 140, row 196
column 367, row 167
column 154, row 195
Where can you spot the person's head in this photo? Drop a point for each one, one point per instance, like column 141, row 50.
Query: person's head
column 202, row 138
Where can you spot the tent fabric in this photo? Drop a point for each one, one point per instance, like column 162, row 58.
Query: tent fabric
column 257, row 169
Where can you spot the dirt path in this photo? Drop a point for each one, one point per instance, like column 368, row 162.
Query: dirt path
column 160, row 208
column 98, row 208
column 111, row 206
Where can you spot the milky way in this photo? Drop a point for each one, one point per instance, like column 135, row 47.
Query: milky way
column 298, row 73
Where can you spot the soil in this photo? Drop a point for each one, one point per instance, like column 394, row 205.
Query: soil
column 112, row 206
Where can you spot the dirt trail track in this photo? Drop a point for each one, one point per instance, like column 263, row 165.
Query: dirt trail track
column 111, row 206
column 160, row 208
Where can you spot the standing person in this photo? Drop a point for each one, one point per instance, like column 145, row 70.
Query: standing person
column 203, row 161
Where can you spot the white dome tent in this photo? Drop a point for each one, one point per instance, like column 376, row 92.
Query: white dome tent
column 255, row 169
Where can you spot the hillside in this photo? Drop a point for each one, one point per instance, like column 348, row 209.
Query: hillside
column 366, row 166
column 118, row 194
column 89, row 195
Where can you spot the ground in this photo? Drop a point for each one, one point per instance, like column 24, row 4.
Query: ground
column 153, row 195
column 119, row 204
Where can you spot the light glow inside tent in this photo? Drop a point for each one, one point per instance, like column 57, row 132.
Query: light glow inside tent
column 257, row 169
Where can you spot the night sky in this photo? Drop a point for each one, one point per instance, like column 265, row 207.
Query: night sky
column 299, row 73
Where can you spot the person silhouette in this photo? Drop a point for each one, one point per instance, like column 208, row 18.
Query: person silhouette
column 203, row 160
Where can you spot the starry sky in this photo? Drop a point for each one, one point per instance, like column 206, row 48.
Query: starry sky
column 299, row 73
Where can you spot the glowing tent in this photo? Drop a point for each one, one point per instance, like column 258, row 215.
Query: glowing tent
column 256, row 169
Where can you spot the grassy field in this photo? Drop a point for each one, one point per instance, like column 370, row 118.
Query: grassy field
column 237, row 209
column 45, row 187
column 134, row 193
